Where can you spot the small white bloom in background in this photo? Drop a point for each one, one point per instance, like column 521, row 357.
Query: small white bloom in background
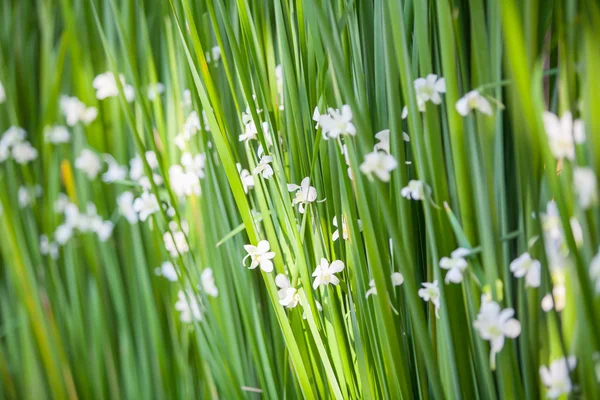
column 56, row 134
column 246, row 177
column 189, row 305
column 397, row 279
column 146, row 205
column 125, row 206
column 263, row 168
column 336, row 123
column 115, row 172
column 106, row 86
column 260, row 256
column 431, row 292
column 175, row 241
column 324, row 274
column 288, row 295
column 23, row 153
column 429, row 89
column 455, row 265
column 380, row 164
column 2, row 94
column 24, row 197
column 494, row 324
column 563, row 133
column 104, row 230
column 75, row 111
column 595, row 271
column 63, row 234
column 525, row 266
column 473, row 100
column 167, row 270
column 48, row 248
column 345, row 229
column 183, row 183
column 215, row 54
column 556, row 377
column 208, row 282
column 547, row 303
column 586, row 187
column 89, row 163
column 305, row 193
column 187, row 98
column 194, row 163
column 415, row 190
column 372, row 289
column 155, row 90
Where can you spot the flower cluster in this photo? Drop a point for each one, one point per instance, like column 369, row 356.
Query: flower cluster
column 82, row 222
column 13, row 144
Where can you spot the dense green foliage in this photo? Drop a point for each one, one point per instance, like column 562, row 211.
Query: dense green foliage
column 92, row 317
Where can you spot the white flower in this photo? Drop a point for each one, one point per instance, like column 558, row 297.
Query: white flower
column 264, row 168
column 525, row 266
column 189, row 305
column 251, row 132
column 187, row 98
column 246, row 177
column 562, row 134
column 106, row 86
column 415, row 190
column 595, row 271
column 305, row 193
column 2, row 94
column 556, row 378
column 104, row 230
column 384, row 141
column 429, row 89
column 194, row 164
column 208, row 283
column 431, row 292
column 155, row 90
column 24, row 152
column 115, row 172
column 260, row 255
column 215, row 53
column 125, row 206
column 455, row 265
column 404, row 112
column 175, row 241
column 336, row 123
column 168, row 271
column 24, row 197
column 372, row 289
column 288, row 295
column 63, row 233
column 56, row 134
column 89, row 163
column 380, row 164
column 325, row 273
column 183, row 183
column 586, row 187
column 146, row 205
column 473, row 101
column 494, row 324
column 345, row 229
column 75, row 111
column 48, row 248
column 316, row 117
column 397, row 279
